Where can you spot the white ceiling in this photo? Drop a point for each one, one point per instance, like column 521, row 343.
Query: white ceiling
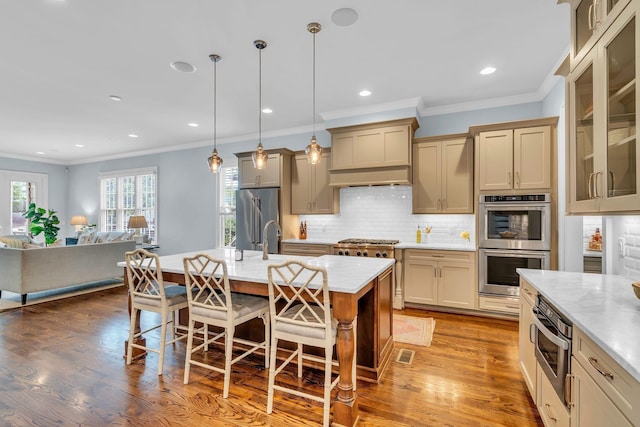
column 61, row 59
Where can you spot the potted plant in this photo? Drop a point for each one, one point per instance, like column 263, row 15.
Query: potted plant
column 45, row 221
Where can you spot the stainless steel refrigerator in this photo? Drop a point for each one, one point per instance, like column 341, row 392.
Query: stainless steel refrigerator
column 254, row 208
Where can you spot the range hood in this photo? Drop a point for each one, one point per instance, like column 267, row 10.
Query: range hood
column 372, row 154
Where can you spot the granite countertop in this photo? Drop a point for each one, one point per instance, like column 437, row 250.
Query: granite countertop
column 345, row 274
column 603, row 306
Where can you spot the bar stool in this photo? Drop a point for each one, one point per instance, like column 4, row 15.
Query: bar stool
column 211, row 302
column 147, row 291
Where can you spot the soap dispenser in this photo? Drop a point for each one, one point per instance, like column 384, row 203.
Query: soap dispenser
column 419, row 235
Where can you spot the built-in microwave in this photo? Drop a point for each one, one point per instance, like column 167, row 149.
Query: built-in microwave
column 517, row 221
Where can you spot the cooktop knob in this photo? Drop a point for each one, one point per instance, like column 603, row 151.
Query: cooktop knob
column 346, row 253
column 365, row 253
column 358, row 253
column 378, row 254
column 384, row 255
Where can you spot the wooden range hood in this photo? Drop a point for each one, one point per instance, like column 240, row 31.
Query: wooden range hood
column 372, row 154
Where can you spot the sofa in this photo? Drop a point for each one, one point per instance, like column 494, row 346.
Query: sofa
column 35, row 268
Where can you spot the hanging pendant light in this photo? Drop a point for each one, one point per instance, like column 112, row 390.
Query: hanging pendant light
column 313, row 150
column 215, row 162
column 259, row 156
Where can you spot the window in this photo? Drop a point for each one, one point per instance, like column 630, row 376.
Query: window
column 126, row 193
column 17, row 191
column 228, row 190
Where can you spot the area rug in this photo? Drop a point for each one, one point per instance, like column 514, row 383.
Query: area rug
column 10, row 301
column 413, row 330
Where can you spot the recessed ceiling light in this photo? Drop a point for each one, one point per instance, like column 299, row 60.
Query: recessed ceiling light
column 487, row 70
column 133, row 135
column 267, row 110
column 194, row 125
column 183, row 67
column 344, row 17
column 115, row 98
column 364, row 92
column 40, row 152
column 79, row 145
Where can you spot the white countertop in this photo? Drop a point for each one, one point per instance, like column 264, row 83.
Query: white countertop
column 345, row 274
column 603, row 306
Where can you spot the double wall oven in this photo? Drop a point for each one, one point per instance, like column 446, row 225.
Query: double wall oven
column 514, row 232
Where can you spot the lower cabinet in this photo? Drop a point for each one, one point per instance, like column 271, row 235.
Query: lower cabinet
column 527, row 357
column 445, row 278
column 551, row 409
column 592, row 407
column 603, row 393
column 305, row 249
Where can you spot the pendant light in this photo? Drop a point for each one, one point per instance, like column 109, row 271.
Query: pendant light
column 215, row 162
column 313, row 150
column 260, row 156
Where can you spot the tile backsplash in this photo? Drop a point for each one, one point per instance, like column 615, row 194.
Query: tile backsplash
column 384, row 212
column 631, row 235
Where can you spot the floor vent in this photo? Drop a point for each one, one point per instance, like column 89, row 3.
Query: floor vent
column 405, row 356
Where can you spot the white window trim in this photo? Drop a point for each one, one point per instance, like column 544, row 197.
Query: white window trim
column 219, row 201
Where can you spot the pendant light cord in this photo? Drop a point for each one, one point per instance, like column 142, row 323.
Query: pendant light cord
column 215, row 108
column 260, row 97
column 314, row 84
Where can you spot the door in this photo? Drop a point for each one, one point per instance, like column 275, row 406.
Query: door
column 456, row 287
column 421, row 281
column 496, row 160
column 427, row 178
column 457, row 176
column 532, row 158
column 300, row 185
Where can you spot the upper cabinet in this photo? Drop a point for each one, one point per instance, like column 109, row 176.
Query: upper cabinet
column 443, row 175
column 278, row 162
column 371, row 154
column 589, row 21
column 310, row 190
column 603, row 159
column 515, row 159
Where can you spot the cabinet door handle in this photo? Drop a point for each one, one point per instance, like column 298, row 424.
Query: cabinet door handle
column 437, row 256
column 612, row 193
column 509, row 178
column 532, row 332
column 547, row 409
column 439, row 204
column 590, row 14
column 568, row 382
column 598, row 184
column 589, row 185
column 518, row 179
column 513, row 307
column 594, row 363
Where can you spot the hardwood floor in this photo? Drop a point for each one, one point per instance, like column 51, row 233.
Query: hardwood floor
column 61, row 364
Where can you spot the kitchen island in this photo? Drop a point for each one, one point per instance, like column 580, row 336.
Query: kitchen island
column 603, row 385
column 361, row 287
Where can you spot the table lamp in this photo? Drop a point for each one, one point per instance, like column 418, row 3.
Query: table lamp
column 137, row 222
column 79, row 221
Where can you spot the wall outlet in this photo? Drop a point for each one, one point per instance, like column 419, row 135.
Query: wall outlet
column 621, row 246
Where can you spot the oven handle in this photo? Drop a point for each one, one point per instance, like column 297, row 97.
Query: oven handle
column 530, row 206
column 563, row 344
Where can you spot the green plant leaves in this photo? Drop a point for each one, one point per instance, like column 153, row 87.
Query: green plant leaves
column 43, row 221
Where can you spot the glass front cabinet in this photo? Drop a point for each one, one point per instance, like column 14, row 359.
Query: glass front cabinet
column 603, row 155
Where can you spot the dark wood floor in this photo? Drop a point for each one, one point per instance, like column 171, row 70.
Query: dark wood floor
column 61, row 364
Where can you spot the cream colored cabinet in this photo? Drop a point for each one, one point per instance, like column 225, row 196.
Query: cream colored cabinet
column 603, row 393
column 250, row 177
column 310, row 190
column 443, row 175
column 305, row 249
column 444, row 278
column 551, row 409
column 603, row 157
column 528, row 364
column 515, row 159
column 373, row 153
column 589, row 20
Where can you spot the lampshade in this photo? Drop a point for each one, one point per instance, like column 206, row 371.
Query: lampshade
column 259, row 156
column 313, row 150
column 137, row 221
column 78, row 220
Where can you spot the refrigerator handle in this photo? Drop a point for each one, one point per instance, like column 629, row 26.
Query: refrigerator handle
column 256, row 221
column 252, row 222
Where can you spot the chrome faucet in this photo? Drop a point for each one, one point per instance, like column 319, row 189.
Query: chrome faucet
column 265, row 241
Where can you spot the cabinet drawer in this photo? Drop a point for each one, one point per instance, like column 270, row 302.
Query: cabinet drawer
column 527, row 292
column 551, row 409
column 502, row 305
column 439, row 255
column 305, row 249
column 617, row 384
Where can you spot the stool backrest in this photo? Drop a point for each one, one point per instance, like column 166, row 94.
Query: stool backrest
column 144, row 275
